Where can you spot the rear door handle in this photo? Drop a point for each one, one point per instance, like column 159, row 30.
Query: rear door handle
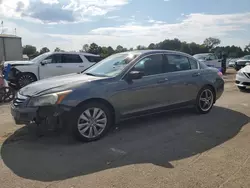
column 162, row 80
column 196, row 74
column 59, row 66
column 81, row 66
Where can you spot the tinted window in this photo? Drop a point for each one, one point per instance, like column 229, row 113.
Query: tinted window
column 193, row 64
column 71, row 58
column 150, row 65
column 177, row 63
column 55, row 58
column 93, row 59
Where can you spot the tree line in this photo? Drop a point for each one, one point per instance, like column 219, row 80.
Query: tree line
column 209, row 45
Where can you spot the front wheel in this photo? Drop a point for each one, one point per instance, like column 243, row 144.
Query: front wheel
column 25, row 79
column 205, row 100
column 91, row 121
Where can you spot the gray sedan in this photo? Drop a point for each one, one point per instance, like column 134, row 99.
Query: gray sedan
column 121, row 86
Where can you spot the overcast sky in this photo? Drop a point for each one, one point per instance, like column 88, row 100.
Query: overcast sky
column 69, row 24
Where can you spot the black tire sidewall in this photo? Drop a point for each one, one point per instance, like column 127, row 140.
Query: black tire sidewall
column 197, row 106
column 79, row 110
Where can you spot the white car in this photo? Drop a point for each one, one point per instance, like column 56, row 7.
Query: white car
column 48, row 65
column 243, row 78
column 211, row 60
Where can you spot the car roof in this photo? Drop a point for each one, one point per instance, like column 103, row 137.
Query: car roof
column 203, row 54
column 147, row 52
column 78, row 53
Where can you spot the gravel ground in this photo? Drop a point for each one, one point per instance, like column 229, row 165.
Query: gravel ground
column 173, row 149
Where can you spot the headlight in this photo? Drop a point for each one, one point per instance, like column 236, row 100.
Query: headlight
column 240, row 73
column 49, row 99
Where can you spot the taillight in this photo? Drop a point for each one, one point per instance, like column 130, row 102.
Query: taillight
column 220, row 74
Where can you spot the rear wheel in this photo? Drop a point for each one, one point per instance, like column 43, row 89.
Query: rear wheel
column 91, row 121
column 25, row 79
column 7, row 94
column 205, row 100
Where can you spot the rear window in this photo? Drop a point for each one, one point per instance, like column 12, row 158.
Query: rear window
column 93, row 59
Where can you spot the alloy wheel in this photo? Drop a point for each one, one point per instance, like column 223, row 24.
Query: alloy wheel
column 92, row 122
column 206, row 100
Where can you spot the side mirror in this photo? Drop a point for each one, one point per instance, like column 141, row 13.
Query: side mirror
column 207, row 58
column 45, row 61
column 135, row 75
column 247, row 63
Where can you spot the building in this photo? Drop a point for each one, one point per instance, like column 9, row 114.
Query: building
column 10, row 48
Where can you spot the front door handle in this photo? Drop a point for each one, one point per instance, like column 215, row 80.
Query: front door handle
column 162, row 80
column 81, row 66
column 196, row 74
column 59, row 66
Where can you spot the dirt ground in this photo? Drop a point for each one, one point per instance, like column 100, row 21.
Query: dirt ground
column 173, row 149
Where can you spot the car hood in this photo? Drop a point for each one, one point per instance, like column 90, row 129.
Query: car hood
column 18, row 63
column 246, row 69
column 57, row 84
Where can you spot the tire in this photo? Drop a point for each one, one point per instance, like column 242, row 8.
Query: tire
column 241, row 88
column 79, row 117
column 25, row 79
column 205, row 100
column 7, row 94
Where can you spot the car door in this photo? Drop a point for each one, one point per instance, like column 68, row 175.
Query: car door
column 146, row 93
column 52, row 67
column 183, row 78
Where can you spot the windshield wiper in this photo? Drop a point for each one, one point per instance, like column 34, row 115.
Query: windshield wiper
column 90, row 74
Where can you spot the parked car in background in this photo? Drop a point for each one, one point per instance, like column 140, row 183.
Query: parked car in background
column 48, row 65
column 231, row 62
column 240, row 63
column 122, row 86
column 210, row 60
column 243, row 78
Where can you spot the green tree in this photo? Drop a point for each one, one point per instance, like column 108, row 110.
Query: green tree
column 94, row 48
column 247, row 49
column 85, row 48
column 57, row 49
column 211, row 42
column 29, row 50
column 44, row 50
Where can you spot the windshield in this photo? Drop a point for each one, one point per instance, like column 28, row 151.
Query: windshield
column 40, row 58
column 112, row 65
column 246, row 57
column 201, row 56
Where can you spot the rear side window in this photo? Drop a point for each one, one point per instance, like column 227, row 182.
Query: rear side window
column 71, row 58
column 193, row 63
column 93, row 59
column 177, row 63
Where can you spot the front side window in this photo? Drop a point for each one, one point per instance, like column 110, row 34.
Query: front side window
column 92, row 59
column 150, row 65
column 177, row 63
column 212, row 57
column 55, row 58
column 112, row 65
column 71, row 58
